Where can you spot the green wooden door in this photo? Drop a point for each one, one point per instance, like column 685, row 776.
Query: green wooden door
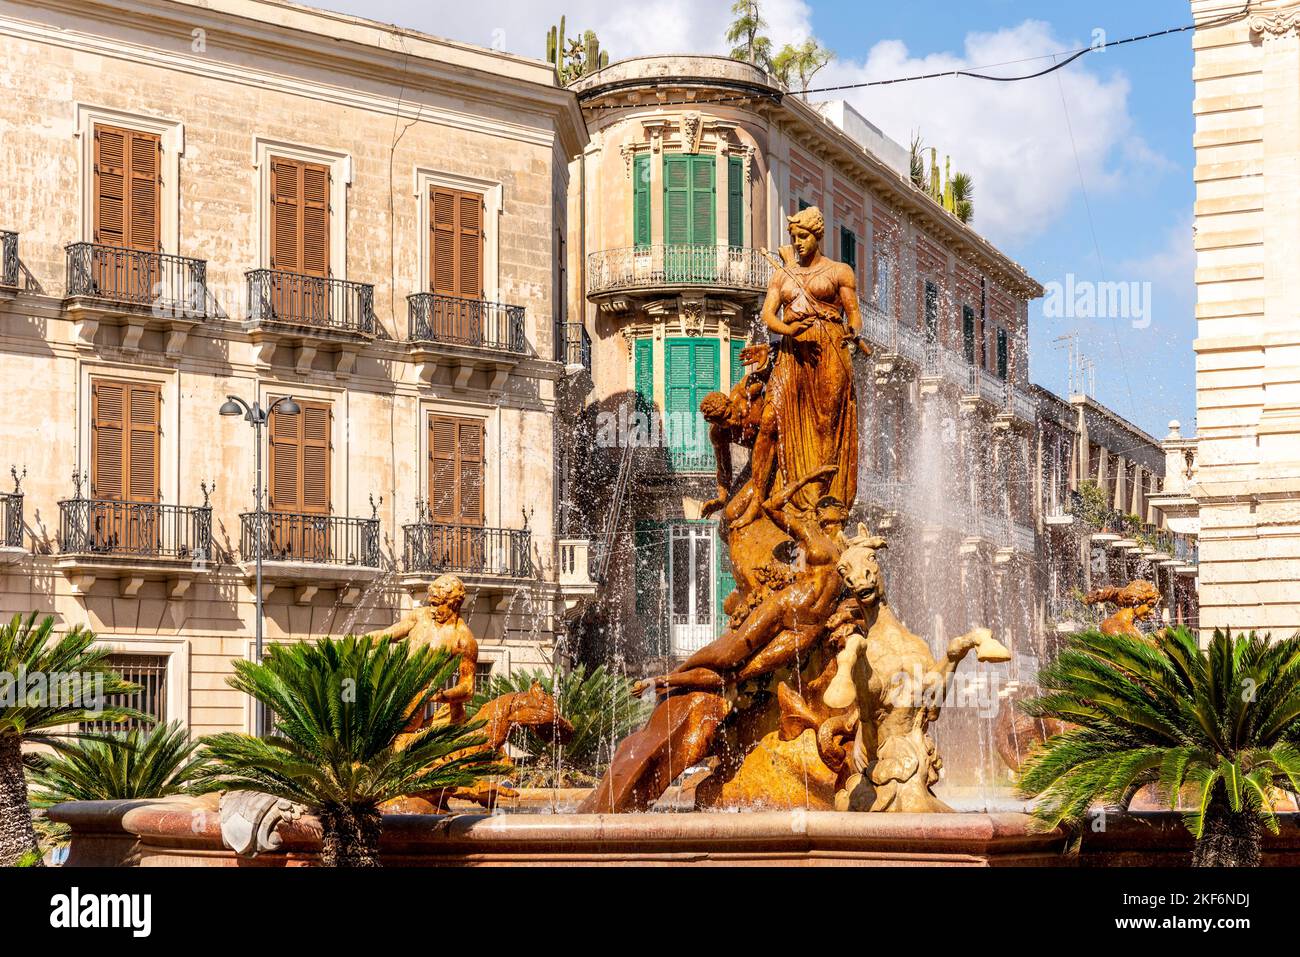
column 737, row 368
column 641, row 199
column 691, row 371
column 643, row 374
column 735, row 201
column 690, row 185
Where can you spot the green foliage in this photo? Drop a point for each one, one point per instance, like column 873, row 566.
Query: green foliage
column 963, row 196
column 29, row 709
column 599, row 705
column 118, row 766
column 575, row 57
column 1220, row 722
column 1092, row 506
column 746, row 37
column 916, row 161
column 800, row 63
column 340, row 705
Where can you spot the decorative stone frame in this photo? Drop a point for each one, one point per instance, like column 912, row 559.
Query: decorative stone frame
column 493, row 202
column 177, row 653
column 267, row 390
column 172, row 135
column 169, row 424
column 340, row 167
column 491, row 419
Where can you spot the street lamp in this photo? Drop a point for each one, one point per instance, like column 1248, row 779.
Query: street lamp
column 256, row 416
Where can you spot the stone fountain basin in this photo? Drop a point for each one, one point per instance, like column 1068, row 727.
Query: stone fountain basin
column 186, row 832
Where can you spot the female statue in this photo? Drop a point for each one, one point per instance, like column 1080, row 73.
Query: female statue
column 811, row 414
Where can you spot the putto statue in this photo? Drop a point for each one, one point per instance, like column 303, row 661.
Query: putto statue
column 439, row 624
column 1139, row 600
column 798, row 701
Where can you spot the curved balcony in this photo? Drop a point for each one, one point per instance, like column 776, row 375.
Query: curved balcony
column 656, row 270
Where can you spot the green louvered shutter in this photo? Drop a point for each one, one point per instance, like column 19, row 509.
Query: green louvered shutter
column 735, row 201
column 643, row 373
column 968, row 333
column 707, row 377
column 726, row 580
column 677, row 200
column 704, row 180
column 1002, row 353
column 849, row 248
column 651, row 541
column 737, row 368
column 678, row 374
column 641, row 199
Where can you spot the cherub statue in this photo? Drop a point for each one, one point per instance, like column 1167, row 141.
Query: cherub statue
column 738, row 419
column 1136, row 601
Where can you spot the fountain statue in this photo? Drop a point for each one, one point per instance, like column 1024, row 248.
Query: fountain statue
column 815, row 695
column 1136, row 601
column 440, row 624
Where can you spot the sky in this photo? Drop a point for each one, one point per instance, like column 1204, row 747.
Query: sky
column 1083, row 176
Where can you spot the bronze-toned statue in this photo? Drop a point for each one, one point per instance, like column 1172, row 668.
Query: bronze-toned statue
column 1136, row 601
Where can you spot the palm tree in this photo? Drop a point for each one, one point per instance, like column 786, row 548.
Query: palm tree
column 916, row 161
column 119, row 766
column 341, row 708
column 600, row 706
column 47, row 682
column 803, row 61
column 963, row 196
column 744, row 34
column 1220, row 722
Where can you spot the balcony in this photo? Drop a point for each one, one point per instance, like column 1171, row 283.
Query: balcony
column 9, row 275
column 310, row 315
column 486, row 558
column 137, row 291
column 575, row 561
column 132, row 542
column 11, row 527
column 307, row 552
column 670, row 462
column 574, row 348
column 465, row 334
column 617, row 275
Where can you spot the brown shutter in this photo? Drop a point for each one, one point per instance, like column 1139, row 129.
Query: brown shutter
column 456, row 243
column 456, row 470
column 315, row 457
column 141, row 474
column 286, row 454
column 110, row 186
column 442, row 242
column 144, row 207
column 315, row 220
column 107, row 456
column 300, row 217
column 469, row 434
column 127, row 188
column 470, row 267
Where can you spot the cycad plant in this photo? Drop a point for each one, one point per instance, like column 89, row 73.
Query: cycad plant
column 1215, row 729
column 600, row 706
column 963, row 196
column 48, row 682
column 340, row 707
column 118, row 765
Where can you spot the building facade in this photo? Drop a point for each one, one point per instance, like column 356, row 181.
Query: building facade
column 214, row 198
column 1247, row 478
column 692, row 167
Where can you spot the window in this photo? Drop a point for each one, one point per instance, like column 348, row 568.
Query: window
column 644, row 373
column 1002, row 353
column 482, row 676
column 300, row 460
column 689, row 186
column 884, row 284
column 300, row 218
column 124, row 440
column 641, row 199
column 931, row 312
column 691, row 371
column 737, row 367
column 455, row 470
column 735, row 201
column 968, row 333
column 148, row 671
column 803, row 204
column 690, row 580
column 849, row 248
column 456, row 242
column 127, row 188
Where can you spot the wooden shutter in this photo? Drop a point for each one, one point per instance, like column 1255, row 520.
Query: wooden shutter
column 968, row 333
column 125, row 440
column 1002, row 353
column 456, row 242
column 641, row 199
column 677, row 201
column 455, row 470
column 300, row 460
column 735, row 201
column 643, row 372
column 704, row 184
column 127, row 188
column 737, row 367
column 849, row 249
column 300, row 216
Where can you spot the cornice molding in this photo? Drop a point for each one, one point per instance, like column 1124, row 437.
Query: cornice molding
column 1277, row 25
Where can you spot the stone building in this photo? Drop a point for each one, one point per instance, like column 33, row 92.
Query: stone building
column 693, row 164
column 213, row 198
column 1247, row 478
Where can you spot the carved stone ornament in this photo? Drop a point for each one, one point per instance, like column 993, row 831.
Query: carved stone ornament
column 692, row 127
column 1275, row 25
column 249, row 821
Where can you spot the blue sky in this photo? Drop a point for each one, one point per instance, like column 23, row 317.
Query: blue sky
column 1110, row 135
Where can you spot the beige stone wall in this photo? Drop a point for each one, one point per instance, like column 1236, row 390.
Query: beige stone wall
column 331, row 86
column 1247, row 140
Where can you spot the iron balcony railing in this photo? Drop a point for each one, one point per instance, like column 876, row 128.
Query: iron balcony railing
column 434, row 548
column 574, row 345
column 878, row 327
column 315, row 301
column 8, row 259
column 89, row 526
column 171, row 285
column 11, row 519
column 311, row 539
column 472, row 322
column 649, row 267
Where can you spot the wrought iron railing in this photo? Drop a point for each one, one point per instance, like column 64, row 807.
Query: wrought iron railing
column 636, row 267
column 8, row 259
column 174, row 285
column 312, row 539
column 435, row 548
column 574, row 345
column 317, row 301
column 89, row 526
column 11, row 519
column 472, row 322
column 1020, row 404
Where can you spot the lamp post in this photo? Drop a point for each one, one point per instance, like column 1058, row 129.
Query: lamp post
column 257, row 417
